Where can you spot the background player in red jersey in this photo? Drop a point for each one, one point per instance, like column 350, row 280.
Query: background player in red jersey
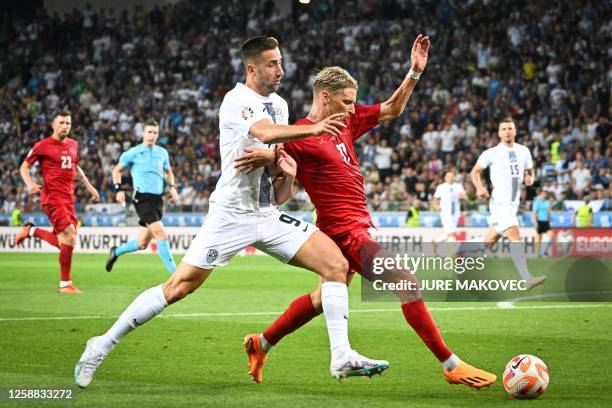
column 58, row 157
column 329, row 171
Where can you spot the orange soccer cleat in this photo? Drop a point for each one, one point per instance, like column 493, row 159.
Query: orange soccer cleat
column 70, row 290
column 473, row 377
column 25, row 233
column 256, row 355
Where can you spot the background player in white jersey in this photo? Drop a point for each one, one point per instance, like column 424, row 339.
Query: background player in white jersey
column 243, row 212
column 510, row 164
column 446, row 200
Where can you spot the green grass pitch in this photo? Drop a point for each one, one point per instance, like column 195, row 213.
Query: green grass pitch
column 192, row 354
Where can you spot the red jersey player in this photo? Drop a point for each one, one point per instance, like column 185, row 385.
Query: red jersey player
column 57, row 156
column 329, row 171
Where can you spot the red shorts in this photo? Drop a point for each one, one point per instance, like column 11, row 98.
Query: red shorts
column 60, row 216
column 359, row 249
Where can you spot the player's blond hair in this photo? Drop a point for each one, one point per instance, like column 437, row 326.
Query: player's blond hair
column 333, row 79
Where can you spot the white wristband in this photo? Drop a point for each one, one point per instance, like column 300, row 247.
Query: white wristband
column 414, row 74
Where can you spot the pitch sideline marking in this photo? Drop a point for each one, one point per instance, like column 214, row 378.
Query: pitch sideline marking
column 247, row 314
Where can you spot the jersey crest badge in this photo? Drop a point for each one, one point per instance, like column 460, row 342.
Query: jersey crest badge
column 211, row 256
column 247, row 113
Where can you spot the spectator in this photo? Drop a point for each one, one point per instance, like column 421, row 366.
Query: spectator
column 556, row 89
column 601, row 178
column 581, row 179
column 382, row 160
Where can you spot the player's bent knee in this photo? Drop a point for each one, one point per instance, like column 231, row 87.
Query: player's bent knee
column 514, row 235
column 68, row 239
column 184, row 281
column 68, row 233
column 143, row 244
column 336, row 269
column 175, row 290
column 160, row 235
column 402, row 275
column 157, row 230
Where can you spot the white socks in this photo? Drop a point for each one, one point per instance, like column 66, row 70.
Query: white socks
column 151, row 302
column 520, row 260
column 334, row 297
column 147, row 305
column 451, row 363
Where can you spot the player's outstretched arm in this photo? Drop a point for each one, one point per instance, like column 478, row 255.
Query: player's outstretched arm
column 268, row 132
column 95, row 196
column 283, row 184
column 395, row 105
column 24, row 171
column 477, row 181
column 169, row 175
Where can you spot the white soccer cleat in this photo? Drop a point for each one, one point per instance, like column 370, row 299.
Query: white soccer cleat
column 354, row 364
column 88, row 364
column 535, row 281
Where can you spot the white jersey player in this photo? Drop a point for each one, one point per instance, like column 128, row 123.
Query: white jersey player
column 510, row 165
column 243, row 212
column 446, row 200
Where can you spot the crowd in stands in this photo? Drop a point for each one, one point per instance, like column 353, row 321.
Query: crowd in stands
column 546, row 64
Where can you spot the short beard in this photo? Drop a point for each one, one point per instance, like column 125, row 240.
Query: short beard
column 269, row 88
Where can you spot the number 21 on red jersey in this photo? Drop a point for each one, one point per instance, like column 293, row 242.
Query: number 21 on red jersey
column 342, row 149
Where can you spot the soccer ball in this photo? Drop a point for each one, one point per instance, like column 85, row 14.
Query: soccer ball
column 525, row 377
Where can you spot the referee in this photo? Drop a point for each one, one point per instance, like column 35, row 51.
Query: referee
column 541, row 215
column 150, row 167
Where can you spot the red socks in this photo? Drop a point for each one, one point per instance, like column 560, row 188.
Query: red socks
column 299, row 312
column 418, row 317
column 65, row 260
column 47, row 236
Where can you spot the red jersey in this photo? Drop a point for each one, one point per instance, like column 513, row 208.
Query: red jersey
column 57, row 161
column 329, row 171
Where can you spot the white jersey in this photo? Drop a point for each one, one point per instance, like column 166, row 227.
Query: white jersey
column 508, row 165
column 449, row 194
column 241, row 108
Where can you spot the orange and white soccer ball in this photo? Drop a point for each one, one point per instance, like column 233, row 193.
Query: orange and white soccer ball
column 526, row 377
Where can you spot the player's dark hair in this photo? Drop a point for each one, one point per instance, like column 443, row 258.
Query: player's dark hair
column 62, row 112
column 507, row 119
column 151, row 122
column 253, row 47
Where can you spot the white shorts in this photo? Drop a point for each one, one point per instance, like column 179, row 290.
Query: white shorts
column 226, row 233
column 449, row 222
column 503, row 216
